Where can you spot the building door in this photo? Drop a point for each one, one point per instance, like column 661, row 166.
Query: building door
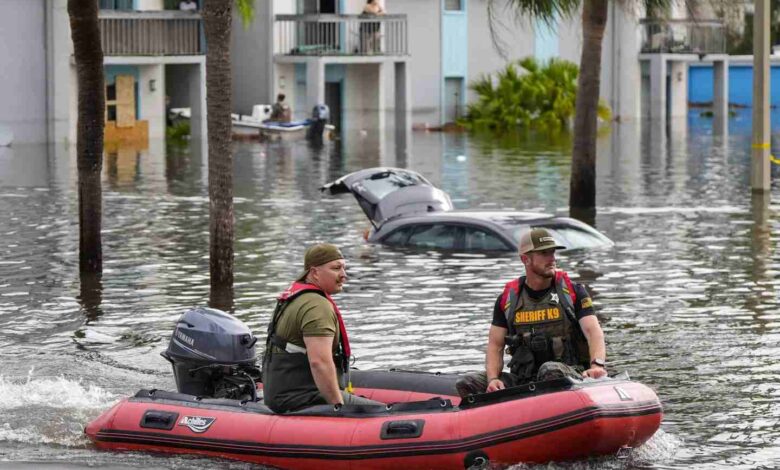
column 313, row 7
column 333, row 98
column 453, row 99
column 320, row 37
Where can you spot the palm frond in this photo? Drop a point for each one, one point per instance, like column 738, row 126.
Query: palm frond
column 246, row 10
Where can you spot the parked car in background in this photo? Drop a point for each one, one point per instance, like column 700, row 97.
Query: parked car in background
column 406, row 210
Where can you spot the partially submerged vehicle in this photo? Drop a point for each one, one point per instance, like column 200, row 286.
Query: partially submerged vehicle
column 407, row 210
column 218, row 411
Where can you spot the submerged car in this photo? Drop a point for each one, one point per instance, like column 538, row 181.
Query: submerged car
column 406, row 210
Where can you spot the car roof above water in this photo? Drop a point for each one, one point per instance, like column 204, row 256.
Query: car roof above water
column 498, row 217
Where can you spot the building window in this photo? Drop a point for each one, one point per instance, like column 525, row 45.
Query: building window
column 453, row 5
column 116, row 4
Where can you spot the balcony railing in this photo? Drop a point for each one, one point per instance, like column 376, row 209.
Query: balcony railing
column 683, row 36
column 150, row 33
column 341, row 35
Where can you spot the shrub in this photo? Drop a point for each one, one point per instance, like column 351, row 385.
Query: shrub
column 540, row 95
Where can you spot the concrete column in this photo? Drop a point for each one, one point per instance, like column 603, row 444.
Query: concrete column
column 196, row 82
column 720, row 88
column 61, row 76
column 720, row 96
column 760, row 172
column 658, row 87
column 381, row 103
column 315, row 84
column 151, row 91
column 679, row 88
column 403, row 111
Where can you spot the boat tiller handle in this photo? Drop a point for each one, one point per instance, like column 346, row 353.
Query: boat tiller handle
column 159, row 419
column 405, row 429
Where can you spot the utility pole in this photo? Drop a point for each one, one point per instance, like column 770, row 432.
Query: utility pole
column 759, row 167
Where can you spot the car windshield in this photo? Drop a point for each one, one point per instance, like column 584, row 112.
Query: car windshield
column 382, row 184
column 573, row 238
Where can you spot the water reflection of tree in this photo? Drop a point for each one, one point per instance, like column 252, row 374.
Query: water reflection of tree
column 760, row 248
column 91, row 295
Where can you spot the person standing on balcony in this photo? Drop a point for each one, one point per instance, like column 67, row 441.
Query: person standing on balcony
column 369, row 32
column 188, row 5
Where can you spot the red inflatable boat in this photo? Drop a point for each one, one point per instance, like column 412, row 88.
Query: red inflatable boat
column 425, row 427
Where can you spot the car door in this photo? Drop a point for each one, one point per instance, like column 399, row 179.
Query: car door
column 439, row 236
column 385, row 193
column 483, row 239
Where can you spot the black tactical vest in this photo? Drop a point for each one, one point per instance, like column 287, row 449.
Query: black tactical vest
column 542, row 330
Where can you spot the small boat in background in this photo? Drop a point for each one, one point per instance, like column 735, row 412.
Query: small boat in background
column 295, row 130
column 257, row 125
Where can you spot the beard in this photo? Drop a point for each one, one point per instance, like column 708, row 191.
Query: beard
column 544, row 272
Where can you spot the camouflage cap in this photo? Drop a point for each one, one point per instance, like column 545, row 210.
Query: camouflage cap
column 538, row 239
column 317, row 255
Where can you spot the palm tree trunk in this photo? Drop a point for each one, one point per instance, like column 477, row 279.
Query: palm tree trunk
column 217, row 17
column 582, row 195
column 88, row 54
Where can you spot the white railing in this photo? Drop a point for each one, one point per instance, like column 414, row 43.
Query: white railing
column 150, row 33
column 683, row 36
column 342, row 35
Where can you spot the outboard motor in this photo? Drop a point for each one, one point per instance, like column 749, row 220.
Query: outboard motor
column 213, row 355
column 320, row 116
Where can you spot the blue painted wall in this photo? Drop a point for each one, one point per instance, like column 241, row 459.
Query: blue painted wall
column 545, row 40
column 454, row 50
column 454, row 43
column 740, row 84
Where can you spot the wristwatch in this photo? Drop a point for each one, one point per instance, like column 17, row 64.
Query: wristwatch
column 599, row 362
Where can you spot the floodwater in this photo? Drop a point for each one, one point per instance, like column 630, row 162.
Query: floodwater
column 688, row 296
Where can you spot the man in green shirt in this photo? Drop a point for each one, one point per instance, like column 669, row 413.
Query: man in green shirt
column 306, row 361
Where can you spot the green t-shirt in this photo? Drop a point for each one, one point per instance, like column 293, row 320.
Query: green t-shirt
column 309, row 314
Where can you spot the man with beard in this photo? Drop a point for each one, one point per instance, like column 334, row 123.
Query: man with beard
column 545, row 322
column 306, row 359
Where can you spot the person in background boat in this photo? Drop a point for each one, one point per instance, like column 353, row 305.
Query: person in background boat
column 545, row 322
column 280, row 111
column 188, row 5
column 306, row 359
column 370, row 31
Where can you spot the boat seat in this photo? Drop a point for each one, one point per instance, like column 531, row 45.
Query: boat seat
column 434, row 404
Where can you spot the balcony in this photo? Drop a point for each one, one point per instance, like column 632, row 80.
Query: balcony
column 683, row 36
column 150, row 33
column 341, row 35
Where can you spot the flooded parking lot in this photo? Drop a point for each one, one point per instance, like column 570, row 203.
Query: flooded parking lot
column 688, row 296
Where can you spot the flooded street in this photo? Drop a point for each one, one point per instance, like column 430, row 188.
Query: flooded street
column 689, row 296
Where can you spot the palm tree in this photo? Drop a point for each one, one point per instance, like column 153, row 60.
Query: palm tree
column 582, row 195
column 217, row 23
column 88, row 54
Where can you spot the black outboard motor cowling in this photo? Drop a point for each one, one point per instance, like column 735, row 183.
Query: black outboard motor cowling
column 213, row 355
column 320, row 115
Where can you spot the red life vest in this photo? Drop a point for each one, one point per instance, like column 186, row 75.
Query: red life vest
column 297, row 288
column 561, row 278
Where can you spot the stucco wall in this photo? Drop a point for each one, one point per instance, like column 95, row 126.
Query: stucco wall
column 252, row 59
column 570, row 38
column 150, row 5
column 517, row 38
column 362, row 97
column 23, row 74
column 424, row 26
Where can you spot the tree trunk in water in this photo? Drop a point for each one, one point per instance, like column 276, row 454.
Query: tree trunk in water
column 88, row 54
column 217, row 17
column 582, row 195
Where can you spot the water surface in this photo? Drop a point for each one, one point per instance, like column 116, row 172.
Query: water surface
column 688, row 296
